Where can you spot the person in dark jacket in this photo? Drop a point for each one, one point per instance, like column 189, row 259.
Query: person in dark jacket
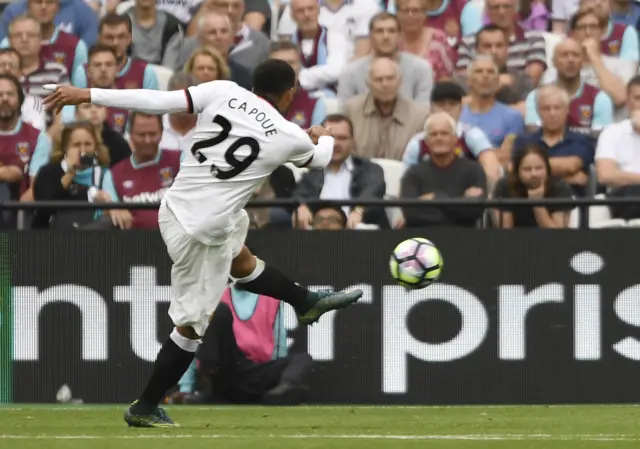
column 346, row 177
column 153, row 29
column 443, row 175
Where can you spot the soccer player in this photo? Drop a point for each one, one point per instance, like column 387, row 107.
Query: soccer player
column 241, row 137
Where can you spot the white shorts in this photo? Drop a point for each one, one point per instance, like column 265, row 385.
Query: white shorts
column 200, row 272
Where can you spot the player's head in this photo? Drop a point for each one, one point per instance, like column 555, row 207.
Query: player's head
column 275, row 81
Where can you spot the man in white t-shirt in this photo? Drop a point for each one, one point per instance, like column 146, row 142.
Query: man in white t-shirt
column 240, row 139
column 617, row 156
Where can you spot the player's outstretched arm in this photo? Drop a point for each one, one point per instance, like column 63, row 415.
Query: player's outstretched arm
column 143, row 100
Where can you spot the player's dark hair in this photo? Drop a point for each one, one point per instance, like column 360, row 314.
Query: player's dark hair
column 272, row 79
column 283, row 46
column 634, row 81
column 339, row 118
column 383, row 16
column 517, row 189
column 99, row 48
column 113, row 20
column 16, row 82
column 490, row 28
column 12, row 51
column 135, row 114
column 447, row 90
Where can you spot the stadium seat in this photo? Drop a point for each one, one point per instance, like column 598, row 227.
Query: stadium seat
column 550, row 40
column 574, row 218
column 600, row 217
column 163, row 74
column 333, row 105
column 393, row 172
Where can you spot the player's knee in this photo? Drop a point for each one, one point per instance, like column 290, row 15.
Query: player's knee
column 243, row 264
column 188, row 332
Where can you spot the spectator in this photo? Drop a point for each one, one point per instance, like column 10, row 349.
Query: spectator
column 349, row 17
column 178, row 127
column 307, row 108
column 116, row 32
column 514, row 85
column 616, row 39
column 570, row 153
column 590, row 109
column 617, row 155
column 532, row 178
column 214, row 30
column 19, row 141
column 496, row 119
column 153, row 30
column 250, row 47
column 416, row 74
column 32, row 108
column 78, row 171
column 322, row 51
column 602, row 71
column 424, row 41
column 625, row 12
column 74, row 17
column 117, row 146
column 183, row 10
column 384, row 120
column 57, row 45
column 442, row 175
column 456, row 18
column 532, row 15
column 206, row 64
column 472, row 143
column 146, row 175
column 243, row 357
column 102, row 72
column 26, row 38
column 526, row 48
column 346, row 177
column 329, row 218
column 561, row 13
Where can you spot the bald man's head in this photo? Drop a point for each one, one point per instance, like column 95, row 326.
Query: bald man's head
column 384, row 79
column 568, row 58
column 215, row 30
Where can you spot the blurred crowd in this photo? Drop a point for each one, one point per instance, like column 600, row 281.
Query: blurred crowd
column 426, row 99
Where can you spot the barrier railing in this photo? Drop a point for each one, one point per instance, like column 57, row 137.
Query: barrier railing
column 582, row 204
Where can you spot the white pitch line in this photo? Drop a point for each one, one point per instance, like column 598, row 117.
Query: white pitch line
column 505, row 437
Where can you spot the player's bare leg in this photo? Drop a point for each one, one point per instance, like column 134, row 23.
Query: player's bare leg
column 174, row 358
column 251, row 274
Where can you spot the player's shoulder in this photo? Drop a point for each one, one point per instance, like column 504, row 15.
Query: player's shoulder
column 216, row 86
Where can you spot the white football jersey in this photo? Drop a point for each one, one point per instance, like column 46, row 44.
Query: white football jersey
column 239, row 140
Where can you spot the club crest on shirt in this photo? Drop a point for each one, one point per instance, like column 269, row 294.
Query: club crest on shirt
column 299, row 118
column 458, row 151
column 22, row 149
column 586, row 114
column 119, row 120
column 166, row 176
column 59, row 57
column 614, row 47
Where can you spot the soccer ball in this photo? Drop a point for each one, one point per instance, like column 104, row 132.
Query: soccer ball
column 416, row 263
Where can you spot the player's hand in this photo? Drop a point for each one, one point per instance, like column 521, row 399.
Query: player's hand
column 354, row 219
column 473, row 192
column 121, row 218
column 303, row 218
column 64, row 96
column 315, row 132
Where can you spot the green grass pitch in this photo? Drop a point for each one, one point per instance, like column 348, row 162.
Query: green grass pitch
column 540, row 427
